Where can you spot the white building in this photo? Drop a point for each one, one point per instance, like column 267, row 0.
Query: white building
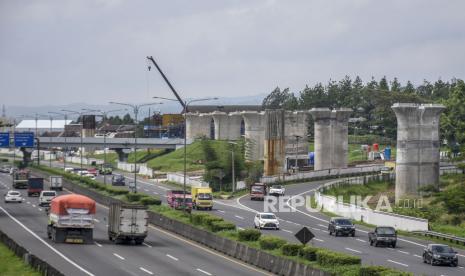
column 42, row 125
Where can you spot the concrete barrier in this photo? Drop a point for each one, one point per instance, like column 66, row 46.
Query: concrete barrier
column 237, row 250
column 128, row 167
column 32, row 260
column 190, row 181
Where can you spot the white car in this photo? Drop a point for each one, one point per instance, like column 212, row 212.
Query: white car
column 89, row 175
column 13, row 196
column 266, row 221
column 277, row 190
column 46, row 196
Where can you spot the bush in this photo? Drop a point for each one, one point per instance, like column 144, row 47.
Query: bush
column 308, row 253
column 114, row 191
column 291, row 249
column 197, row 218
column 328, row 258
column 270, row 243
column 381, row 271
column 132, row 197
column 249, row 235
column 208, row 220
column 150, row 201
column 222, row 226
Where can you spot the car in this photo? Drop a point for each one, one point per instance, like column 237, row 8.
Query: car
column 5, row 169
column 341, row 226
column 46, row 197
column 277, row 190
column 89, row 175
column 437, row 254
column 93, row 171
column 13, row 196
column 118, row 180
column 69, row 170
column 266, row 221
column 386, row 235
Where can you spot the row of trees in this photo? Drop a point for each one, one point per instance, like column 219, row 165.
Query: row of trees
column 372, row 101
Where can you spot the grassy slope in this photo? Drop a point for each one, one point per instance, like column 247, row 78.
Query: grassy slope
column 11, row 265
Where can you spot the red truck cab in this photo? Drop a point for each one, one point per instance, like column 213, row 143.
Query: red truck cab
column 93, row 171
column 258, row 191
column 175, row 199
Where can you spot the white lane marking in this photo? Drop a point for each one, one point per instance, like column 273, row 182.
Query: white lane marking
column 394, row 262
column 360, row 240
column 33, row 205
column 295, row 209
column 40, row 209
column 321, row 225
column 145, row 270
column 318, row 240
column 161, row 187
column 287, row 231
column 317, row 229
column 242, row 205
column 155, row 193
column 96, row 220
column 324, row 231
column 403, row 252
column 28, row 202
column 118, row 256
column 146, row 244
column 392, row 249
column 174, row 258
column 221, row 211
column 353, row 250
column 461, row 267
column 98, row 244
column 146, row 190
column 46, row 244
column 239, row 217
column 418, row 256
column 203, row 271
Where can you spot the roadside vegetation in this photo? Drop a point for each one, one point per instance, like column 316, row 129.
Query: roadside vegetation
column 330, row 261
column 444, row 208
column 11, row 265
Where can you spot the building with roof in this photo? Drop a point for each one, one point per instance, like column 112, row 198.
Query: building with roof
column 42, row 126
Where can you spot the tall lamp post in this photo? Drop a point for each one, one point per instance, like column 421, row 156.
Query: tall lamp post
column 82, row 130
column 232, row 165
column 104, row 117
column 186, row 105
column 65, row 151
column 135, row 109
column 297, row 137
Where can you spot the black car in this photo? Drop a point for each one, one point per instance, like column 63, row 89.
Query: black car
column 341, row 226
column 118, row 180
column 437, row 254
column 383, row 235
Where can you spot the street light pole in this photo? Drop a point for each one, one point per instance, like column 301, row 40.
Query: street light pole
column 297, row 137
column 65, row 151
column 233, row 167
column 82, row 130
column 136, row 111
column 185, row 110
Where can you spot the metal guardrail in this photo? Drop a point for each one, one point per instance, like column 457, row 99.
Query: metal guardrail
column 446, row 237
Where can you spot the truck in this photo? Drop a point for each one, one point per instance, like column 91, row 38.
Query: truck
column 175, row 199
column 105, row 169
column 35, row 185
column 71, row 219
column 258, row 191
column 20, row 179
column 127, row 222
column 56, row 182
column 386, row 235
column 202, row 198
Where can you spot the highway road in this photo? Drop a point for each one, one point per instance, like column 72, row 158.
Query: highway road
column 162, row 253
column 406, row 256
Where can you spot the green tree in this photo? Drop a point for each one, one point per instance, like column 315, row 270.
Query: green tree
column 395, row 85
column 453, row 119
column 383, row 84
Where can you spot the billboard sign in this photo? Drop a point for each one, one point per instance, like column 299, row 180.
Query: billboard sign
column 4, row 139
column 24, row 139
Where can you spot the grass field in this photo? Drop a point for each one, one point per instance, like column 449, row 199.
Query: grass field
column 11, row 265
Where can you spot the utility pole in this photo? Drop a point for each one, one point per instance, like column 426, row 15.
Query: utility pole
column 233, row 167
column 65, row 149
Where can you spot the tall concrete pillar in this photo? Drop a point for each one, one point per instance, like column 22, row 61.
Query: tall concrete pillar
column 123, row 155
column 221, row 125
column 323, row 137
column 331, row 137
column 274, row 151
column 254, row 134
column 341, row 137
column 417, row 158
column 296, row 131
column 197, row 125
column 235, row 119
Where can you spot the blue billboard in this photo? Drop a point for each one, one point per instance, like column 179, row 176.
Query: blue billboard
column 4, row 139
column 24, row 139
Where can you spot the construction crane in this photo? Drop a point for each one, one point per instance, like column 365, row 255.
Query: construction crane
column 168, row 82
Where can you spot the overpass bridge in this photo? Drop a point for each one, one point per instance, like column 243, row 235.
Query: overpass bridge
column 93, row 143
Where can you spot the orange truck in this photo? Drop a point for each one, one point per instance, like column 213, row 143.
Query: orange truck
column 71, row 219
column 258, row 191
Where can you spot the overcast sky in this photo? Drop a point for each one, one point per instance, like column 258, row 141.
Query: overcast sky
column 58, row 52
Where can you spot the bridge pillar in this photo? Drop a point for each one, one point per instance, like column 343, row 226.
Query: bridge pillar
column 274, row 151
column 26, row 155
column 122, row 155
column 197, row 125
column 417, row 158
column 296, row 135
column 235, row 120
column 341, row 137
column 221, row 120
column 254, row 134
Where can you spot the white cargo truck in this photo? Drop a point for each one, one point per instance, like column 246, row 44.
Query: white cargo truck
column 56, row 183
column 127, row 222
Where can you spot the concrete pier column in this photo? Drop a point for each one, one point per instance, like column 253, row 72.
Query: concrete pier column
column 254, row 134
column 235, row 119
column 417, row 158
column 197, row 125
column 323, row 137
column 274, row 151
column 296, row 131
column 123, row 155
column 221, row 125
column 341, row 137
